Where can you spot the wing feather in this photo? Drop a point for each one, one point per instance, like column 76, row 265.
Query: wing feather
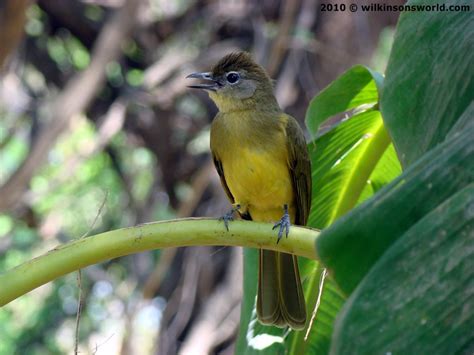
column 300, row 170
column 220, row 171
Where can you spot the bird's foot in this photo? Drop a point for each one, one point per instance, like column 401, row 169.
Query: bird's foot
column 284, row 224
column 229, row 216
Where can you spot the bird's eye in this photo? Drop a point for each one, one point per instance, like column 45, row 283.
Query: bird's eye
column 232, row 77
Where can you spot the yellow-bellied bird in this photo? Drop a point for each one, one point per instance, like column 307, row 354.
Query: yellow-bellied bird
column 261, row 156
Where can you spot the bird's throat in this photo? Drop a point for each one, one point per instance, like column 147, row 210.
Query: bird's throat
column 258, row 102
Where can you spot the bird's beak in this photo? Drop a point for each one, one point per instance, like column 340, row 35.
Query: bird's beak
column 213, row 85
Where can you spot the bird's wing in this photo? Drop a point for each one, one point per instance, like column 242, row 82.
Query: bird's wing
column 220, row 171
column 300, row 169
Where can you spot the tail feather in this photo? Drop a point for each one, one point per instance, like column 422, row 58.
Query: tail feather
column 292, row 302
column 280, row 299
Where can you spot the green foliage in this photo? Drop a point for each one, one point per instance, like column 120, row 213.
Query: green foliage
column 352, row 89
column 34, row 24
column 66, row 50
column 11, row 155
column 418, row 296
column 405, row 256
column 392, row 212
column 430, row 79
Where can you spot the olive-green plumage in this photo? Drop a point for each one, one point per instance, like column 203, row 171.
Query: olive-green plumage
column 261, row 157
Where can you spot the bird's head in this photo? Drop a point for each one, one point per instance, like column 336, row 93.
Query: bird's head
column 237, row 82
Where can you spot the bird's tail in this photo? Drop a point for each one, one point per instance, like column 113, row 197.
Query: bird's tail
column 280, row 299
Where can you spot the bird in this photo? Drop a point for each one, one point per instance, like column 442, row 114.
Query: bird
column 261, row 156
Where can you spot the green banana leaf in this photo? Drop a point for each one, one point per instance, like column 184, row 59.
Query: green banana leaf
column 405, row 256
column 429, row 79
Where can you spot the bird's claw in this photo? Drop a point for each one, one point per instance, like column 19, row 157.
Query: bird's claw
column 229, row 216
column 284, row 225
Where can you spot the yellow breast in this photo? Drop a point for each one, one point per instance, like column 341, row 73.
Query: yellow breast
column 258, row 178
column 255, row 166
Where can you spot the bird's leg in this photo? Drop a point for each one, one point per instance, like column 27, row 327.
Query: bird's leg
column 229, row 216
column 284, row 224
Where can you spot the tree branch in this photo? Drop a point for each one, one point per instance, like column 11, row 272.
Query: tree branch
column 174, row 233
column 12, row 20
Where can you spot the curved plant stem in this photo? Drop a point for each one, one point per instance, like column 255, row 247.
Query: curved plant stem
column 174, row 233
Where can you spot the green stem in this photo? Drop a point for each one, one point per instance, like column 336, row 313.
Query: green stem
column 174, row 233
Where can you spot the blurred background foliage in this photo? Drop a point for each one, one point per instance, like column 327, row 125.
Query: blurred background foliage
column 98, row 131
